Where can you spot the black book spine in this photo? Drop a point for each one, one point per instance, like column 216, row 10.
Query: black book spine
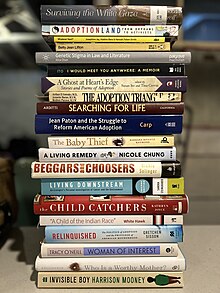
column 116, row 69
column 171, row 169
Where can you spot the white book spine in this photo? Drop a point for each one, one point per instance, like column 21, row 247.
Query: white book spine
column 96, row 169
column 55, row 220
column 115, row 154
column 86, row 264
column 108, row 250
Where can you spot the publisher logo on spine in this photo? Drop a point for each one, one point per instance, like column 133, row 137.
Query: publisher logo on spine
column 142, row 186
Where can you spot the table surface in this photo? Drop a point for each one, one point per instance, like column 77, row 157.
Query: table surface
column 201, row 249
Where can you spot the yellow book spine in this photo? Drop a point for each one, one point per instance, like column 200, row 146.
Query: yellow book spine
column 81, row 39
column 175, row 185
column 112, row 46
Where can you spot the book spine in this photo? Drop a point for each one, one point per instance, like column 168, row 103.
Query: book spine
column 107, row 250
column 151, row 233
column 105, row 39
column 81, row 47
column 109, row 280
column 108, row 124
column 106, row 264
column 105, row 169
column 89, row 14
column 110, row 141
column 115, row 154
column 108, row 205
column 115, row 97
column 110, row 30
column 96, row 220
column 113, row 186
column 115, row 70
column 113, row 83
column 112, row 57
column 110, row 108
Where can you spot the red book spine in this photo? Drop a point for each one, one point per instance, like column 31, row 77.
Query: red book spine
column 110, row 108
column 116, row 205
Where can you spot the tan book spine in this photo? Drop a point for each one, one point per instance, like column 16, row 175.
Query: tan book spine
column 115, row 97
column 114, row 84
column 109, row 280
column 110, row 141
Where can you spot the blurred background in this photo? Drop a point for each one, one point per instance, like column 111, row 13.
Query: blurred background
column 199, row 145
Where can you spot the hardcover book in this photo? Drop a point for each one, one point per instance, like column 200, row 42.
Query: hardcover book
column 105, row 169
column 108, row 124
column 96, row 220
column 115, row 154
column 110, row 108
column 107, row 250
column 110, row 205
column 113, row 186
column 112, row 57
column 110, row 141
column 110, row 30
column 74, row 70
column 110, row 280
column 112, row 83
column 106, row 264
column 128, row 14
column 113, row 97
column 112, row 234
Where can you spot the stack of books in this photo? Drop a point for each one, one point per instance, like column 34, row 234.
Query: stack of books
column 112, row 192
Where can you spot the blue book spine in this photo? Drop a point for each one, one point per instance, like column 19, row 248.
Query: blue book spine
column 108, row 124
column 109, row 186
column 153, row 233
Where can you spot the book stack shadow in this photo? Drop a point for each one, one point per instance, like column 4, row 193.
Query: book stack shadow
column 112, row 191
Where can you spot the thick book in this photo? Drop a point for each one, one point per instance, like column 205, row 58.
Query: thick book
column 128, row 14
column 86, row 47
column 70, row 250
column 110, row 205
column 151, row 233
column 109, row 280
column 110, row 141
column 115, row 70
column 105, row 169
column 113, row 97
column 115, row 154
column 110, row 108
column 112, row 57
column 111, row 30
column 106, row 264
column 108, row 124
column 113, row 83
column 97, row 220
column 113, row 186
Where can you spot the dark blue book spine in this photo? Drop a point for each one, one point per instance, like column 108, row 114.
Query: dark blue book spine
column 108, row 124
